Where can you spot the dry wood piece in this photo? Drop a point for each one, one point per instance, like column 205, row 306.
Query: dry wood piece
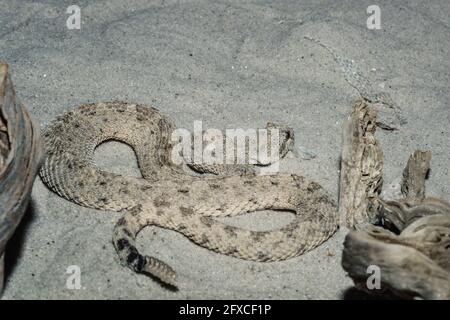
column 404, row 270
column 4, row 141
column 413, row 184
column 20, row 155
column 416, row 262
column 361, row 168
column 402, row 212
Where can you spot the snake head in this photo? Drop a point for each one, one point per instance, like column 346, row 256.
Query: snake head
column 286, row 138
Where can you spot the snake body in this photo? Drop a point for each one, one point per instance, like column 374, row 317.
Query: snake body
column 168, row 197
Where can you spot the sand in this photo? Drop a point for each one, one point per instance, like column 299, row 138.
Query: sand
column 230, row 64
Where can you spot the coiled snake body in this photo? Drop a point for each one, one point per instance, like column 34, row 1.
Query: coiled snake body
column 168, row 197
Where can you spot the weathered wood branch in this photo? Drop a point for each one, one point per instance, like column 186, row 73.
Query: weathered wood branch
column 20, row 154
column 414, row 174
column 404, row 270
column 361, row 168
column 416, row 262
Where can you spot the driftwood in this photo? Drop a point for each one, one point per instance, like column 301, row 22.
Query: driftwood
column 415, row 261
column 20, row 154
column 361, row 168
column 404, row 270
column 415, row 173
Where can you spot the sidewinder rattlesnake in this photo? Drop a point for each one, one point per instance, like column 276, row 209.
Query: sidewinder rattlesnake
column 169, row 198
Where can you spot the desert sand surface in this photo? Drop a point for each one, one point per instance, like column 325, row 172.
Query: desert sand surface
column 230, row 64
